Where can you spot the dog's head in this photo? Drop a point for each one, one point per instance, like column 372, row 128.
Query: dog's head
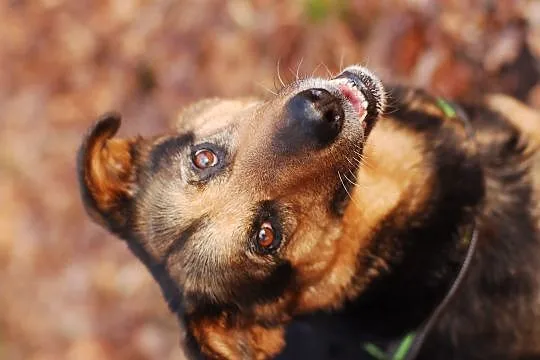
column 244, row 208
column 241, row 201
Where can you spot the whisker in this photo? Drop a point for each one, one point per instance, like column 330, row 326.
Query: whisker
column 358, row 156
column 267, row 89
column 341, row 60
column 315, row 69
column 362, row 159
column 358, row 160
column 347, row 191
column 349, row 180
column 387, row 111
column 298, row 68
column 293, row 73
column 358, row 153
column 349, row 160
column 328, row 70
column 279, row 74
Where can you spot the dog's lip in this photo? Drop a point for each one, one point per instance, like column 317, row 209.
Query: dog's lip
column 350, row 87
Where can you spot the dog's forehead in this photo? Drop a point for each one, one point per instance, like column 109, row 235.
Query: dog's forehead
column 208, row 116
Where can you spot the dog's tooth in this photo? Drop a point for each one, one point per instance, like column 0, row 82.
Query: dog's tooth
column 363, row 117
column 365, row 104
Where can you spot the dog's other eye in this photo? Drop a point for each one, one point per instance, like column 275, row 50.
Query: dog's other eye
column 204, row 158
column 266, row 237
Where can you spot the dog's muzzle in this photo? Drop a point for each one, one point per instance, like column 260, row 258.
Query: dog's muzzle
column 315, row 116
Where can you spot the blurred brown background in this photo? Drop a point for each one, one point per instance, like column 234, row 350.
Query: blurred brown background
column 68, row 290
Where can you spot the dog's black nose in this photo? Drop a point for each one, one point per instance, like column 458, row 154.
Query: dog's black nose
column 314, row 119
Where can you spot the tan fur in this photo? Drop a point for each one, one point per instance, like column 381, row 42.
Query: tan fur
column 523, row 117
column 206, row 116
column 222, row 340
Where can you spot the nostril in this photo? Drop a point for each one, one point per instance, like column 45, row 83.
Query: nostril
column 332, row 115
column 328, row 106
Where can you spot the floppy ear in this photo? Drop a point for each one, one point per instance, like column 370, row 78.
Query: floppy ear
column 107, row 170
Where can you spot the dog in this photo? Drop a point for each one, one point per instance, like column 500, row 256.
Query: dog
column 340, row 218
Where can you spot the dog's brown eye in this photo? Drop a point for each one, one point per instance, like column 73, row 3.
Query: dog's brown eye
column 266, row 235
column 204, row 158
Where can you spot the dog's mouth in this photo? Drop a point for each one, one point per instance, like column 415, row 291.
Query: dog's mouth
column 350, row 89
column 364, row 92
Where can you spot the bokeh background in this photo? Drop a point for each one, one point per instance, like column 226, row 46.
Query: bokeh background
column 68, row 290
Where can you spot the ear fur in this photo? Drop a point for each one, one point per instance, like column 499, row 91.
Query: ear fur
column 107, row 171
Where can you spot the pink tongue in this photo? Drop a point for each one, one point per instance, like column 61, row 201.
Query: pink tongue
column 351, row 96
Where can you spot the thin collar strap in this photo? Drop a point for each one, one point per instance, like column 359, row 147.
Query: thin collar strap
column 472, row 239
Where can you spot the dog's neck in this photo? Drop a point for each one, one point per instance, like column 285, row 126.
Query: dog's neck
column 401, row 300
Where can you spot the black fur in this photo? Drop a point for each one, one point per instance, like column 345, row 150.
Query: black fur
column 495, row 307
column 167, row 149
